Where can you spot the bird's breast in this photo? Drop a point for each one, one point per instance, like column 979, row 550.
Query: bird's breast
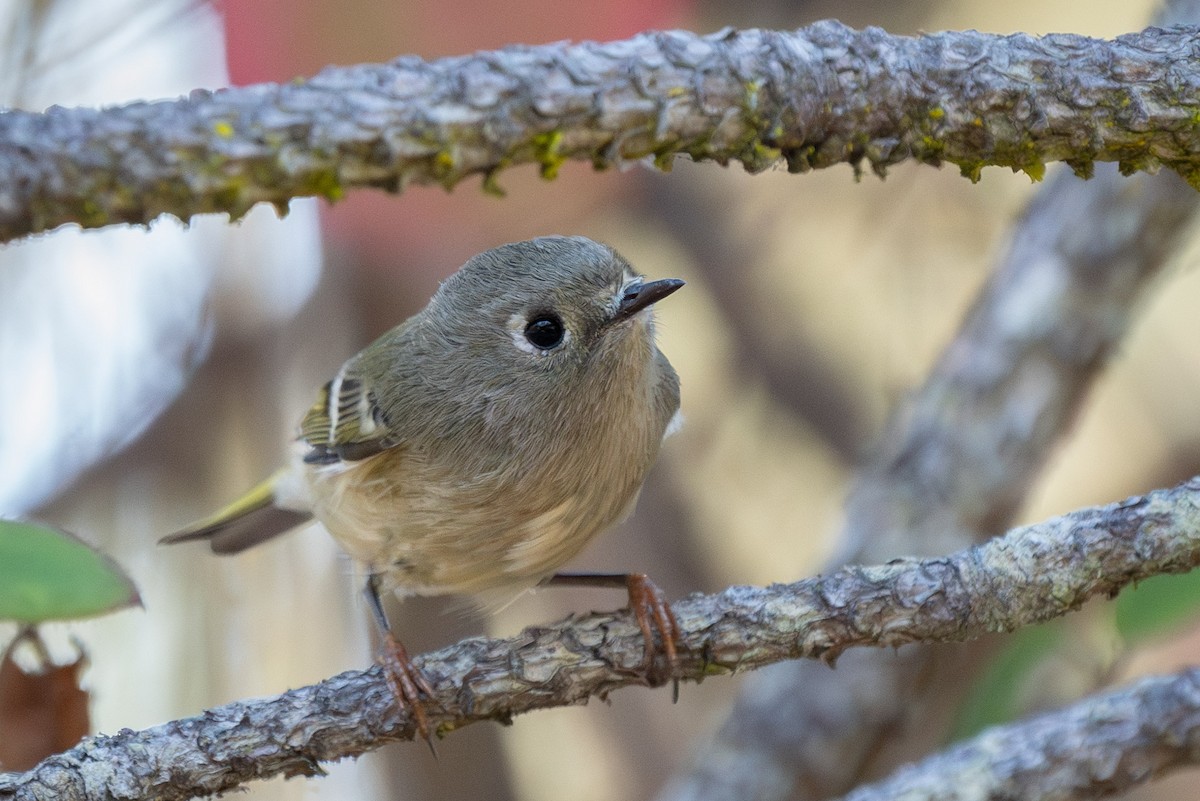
column 429, row 531
column 503, row 513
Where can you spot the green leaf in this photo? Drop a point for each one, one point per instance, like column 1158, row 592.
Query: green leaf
column 1157, row 605
column 46, row 574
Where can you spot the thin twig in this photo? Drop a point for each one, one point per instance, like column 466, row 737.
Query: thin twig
column 1100, row 746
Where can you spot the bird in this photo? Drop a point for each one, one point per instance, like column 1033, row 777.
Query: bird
column 478, row 446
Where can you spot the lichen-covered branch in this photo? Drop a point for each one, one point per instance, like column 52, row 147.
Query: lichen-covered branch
column 1103, row 745
column 819, row 96
column 1030, row 575
column 952, row 468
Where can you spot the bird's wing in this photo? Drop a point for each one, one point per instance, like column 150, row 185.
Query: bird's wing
column 346, row 423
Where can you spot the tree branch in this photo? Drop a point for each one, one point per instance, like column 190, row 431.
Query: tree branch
column 1102, row 745
column 823, row 95
column 1030, row 575
column 951, row 470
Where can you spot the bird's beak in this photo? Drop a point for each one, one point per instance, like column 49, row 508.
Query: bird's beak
column 642, row 295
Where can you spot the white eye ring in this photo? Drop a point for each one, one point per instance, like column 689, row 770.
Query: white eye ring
column 518, row 326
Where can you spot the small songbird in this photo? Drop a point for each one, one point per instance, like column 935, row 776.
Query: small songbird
column 479, row 445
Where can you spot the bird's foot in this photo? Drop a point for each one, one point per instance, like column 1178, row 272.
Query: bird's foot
column 651, row 611
column 408, row 684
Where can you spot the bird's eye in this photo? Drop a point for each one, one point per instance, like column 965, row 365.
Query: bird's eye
column 545, row 331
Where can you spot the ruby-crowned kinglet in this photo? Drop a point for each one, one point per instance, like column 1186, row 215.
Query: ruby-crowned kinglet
column 479, row 445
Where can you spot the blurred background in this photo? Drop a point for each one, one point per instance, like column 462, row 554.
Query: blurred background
column 148, row 377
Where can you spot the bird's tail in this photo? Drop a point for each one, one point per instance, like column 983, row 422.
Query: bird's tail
column 246, row 522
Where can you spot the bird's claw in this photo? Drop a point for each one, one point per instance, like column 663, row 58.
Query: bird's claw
column 651, row 611
column 408, row 684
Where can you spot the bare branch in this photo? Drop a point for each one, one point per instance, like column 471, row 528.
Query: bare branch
column 823, row 95
column 951, row 470
column 1103, row 745
column 1030, row 575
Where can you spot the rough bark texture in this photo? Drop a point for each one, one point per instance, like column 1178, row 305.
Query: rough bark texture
column 1030, row 575
column 1101, row 746
column 823, row 95
column 952, row 468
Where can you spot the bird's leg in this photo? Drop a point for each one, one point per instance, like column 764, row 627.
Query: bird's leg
column 649, row 607
column 406, row 680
